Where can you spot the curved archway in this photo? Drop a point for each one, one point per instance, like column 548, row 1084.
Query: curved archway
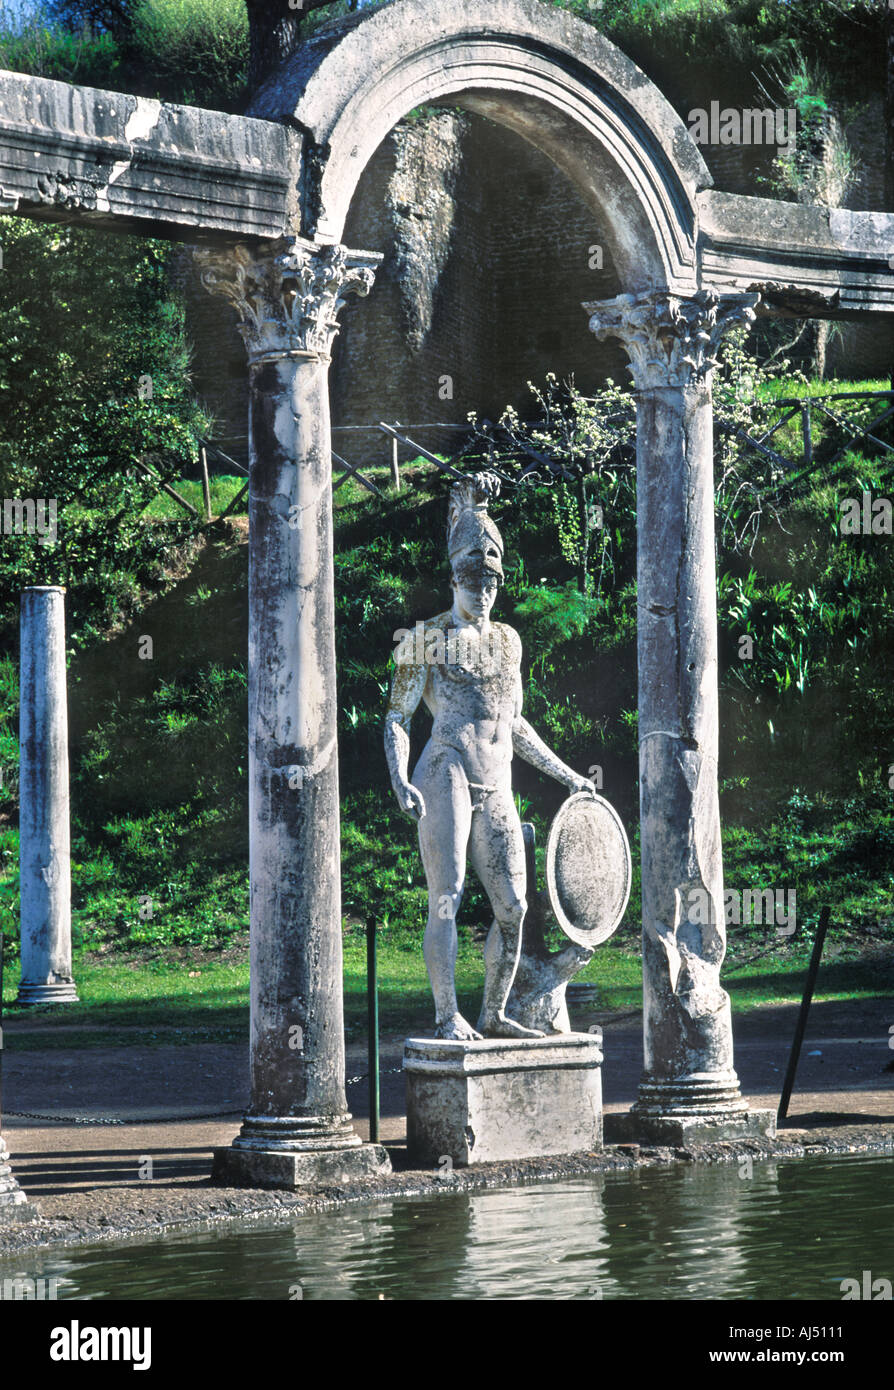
column 566, row 90
column 550, row 77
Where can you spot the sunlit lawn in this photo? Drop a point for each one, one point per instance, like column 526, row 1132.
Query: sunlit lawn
column 142, row 1002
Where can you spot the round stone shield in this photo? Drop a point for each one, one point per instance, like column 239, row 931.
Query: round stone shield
column 588, row 869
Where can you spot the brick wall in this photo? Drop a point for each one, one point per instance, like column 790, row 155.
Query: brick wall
column 487, row 250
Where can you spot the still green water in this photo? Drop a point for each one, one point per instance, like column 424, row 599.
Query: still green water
column 791, row 1230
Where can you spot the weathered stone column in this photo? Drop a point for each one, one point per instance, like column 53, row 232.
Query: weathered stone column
column 689, row 1086
column 44, row 843
column 14, row 1205
column 297, row 1129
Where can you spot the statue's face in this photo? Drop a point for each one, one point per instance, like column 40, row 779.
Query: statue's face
column 475, row 594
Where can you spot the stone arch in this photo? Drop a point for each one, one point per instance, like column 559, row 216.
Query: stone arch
column 488, row 256
column 552, row 78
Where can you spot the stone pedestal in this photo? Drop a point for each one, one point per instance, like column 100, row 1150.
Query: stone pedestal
column 14, row 1205
column 482, row 1102
column 297, row 1129
column 44, row 856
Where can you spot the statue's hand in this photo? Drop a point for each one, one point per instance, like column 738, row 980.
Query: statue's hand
column 582, row 784
column 410, row 800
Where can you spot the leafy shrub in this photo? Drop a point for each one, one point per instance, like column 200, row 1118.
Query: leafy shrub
column 197, row 49
column 86, row 320
column 33, row 42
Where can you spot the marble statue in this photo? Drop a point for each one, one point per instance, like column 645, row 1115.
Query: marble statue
column 467, row 670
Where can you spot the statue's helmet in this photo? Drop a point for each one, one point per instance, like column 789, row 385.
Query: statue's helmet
column 474, row 543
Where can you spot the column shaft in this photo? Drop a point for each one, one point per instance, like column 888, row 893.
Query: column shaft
column 44, row 835
column 687, row 1027
column 688, row 1083
column 297, row 1128
column 297, row 1044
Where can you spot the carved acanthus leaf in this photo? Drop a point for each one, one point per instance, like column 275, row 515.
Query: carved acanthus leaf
column 671, row 340
column 287, row 295
column 68, row 191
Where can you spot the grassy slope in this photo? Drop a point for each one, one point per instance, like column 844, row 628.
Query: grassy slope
column 159, row 850
column 203, row 998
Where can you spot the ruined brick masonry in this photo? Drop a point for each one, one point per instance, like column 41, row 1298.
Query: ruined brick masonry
column 487, row 261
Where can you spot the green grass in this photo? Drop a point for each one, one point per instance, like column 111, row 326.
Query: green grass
column 224, row 487
column 843, row 975
column 140, row 1002
column 788, row 440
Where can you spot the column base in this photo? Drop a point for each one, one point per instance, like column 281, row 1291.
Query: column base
column 290, row 1151
column 63, row 992
column 279, row 1168
column 680, row 1131
column 499, row 1099
column 701, row 1108
column 699, row 1093
column 14, row 1205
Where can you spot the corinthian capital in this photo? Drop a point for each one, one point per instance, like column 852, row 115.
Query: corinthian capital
column 671, row 340
column 288, row 294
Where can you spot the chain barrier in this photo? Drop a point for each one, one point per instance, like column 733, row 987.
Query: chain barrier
column 106, row 1120
column 386, row 1071
column 162, row 1119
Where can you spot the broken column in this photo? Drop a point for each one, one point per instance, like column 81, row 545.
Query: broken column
column 689, row 1089
column 297, row 1129
column 14, row 1206
column 44, row 855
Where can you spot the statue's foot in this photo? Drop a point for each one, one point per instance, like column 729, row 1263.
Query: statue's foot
column 499, row 1026
column 456, row 1029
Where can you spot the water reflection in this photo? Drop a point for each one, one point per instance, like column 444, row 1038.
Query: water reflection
column 774, row 1231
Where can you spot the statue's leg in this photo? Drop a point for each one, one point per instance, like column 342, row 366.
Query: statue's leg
column 497, row 852
column 443, row 836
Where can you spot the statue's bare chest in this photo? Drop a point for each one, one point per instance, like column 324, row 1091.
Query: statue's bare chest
column 481, row 675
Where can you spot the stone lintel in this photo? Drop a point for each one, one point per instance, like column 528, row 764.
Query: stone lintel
column 498, row 1099
column 804, row 260
column 129, row 163
column 236, row 1167
column 680, row 1131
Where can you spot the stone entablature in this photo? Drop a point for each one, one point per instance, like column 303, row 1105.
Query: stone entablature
column 802, row 259
column 128, row 163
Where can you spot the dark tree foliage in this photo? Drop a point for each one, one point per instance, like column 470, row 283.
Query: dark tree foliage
column 98, row 16
column 275, row 29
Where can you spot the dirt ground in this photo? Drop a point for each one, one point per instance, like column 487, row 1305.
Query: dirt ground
column 174, row 1104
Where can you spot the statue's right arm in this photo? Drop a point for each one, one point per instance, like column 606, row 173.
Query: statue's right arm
column 406, row 692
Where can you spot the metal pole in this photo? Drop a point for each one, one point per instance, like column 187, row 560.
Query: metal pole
column 798, row 1039
column 372, row 1005
column 206, row 483
column 395, row 465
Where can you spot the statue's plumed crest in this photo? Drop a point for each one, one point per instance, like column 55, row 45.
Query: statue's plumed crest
column 472, row 535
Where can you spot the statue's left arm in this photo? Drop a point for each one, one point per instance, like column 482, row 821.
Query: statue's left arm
column 529, row 745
